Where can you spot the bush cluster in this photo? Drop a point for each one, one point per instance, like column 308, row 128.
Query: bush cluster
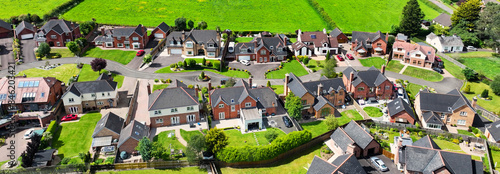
column 264, row 152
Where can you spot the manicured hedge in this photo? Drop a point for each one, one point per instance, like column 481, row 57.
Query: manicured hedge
column 258, row 153
column 52, row 128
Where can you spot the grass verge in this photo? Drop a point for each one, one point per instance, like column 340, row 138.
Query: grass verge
column 293, row 66
column 373, row 111
column 123, row 57
column 476, row 89
column 423, row 74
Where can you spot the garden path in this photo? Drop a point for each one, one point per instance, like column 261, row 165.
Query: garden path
column 179, row 137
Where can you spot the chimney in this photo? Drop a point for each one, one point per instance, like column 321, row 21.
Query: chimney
column 183, row 36
column 351, row 77
column 72, row 25
column 387, row 37
column 149, row 89
column 285, row 86
column 320, row 89
column 196, row 91
column 250, row 82
column 474, row 101
column 102, row 31
column 382, row 70
column 274, row 104
column 324, row 30
column 209, row 85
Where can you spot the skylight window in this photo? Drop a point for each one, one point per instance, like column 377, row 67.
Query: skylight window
column 313, row 36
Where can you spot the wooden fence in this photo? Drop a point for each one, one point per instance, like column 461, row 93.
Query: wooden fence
column 387, row 154
column 155, row 164
column 158, row 48
column 360, row 110
column 132, row 105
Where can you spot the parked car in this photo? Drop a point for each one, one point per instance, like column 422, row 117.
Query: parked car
column 379, row 164
column 245, row 62
column 29, row 133
column 440, row 71
column 288, row 122
column 69, row 117
column 471, row 48
column 349, row 56
column 140, row 53
column 231, row 47
column 340, row 58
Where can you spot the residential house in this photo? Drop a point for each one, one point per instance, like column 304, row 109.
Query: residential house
column 5, row 29
column 161, row 31
column 443, row 20
column 56, row 32
column 43, row 158
column 315, row 43
column 445, row 43
column 123, row 37
column 425, row 156
column 262, row 50
column 367, row 84
column 107, row 130
column 25, row 30
column 227, row 103
column 131, row 135
column 492, row 132
column 284, row 39
column 91, row 95
column 368, row 44
column 194, row 43
column 174, row 105
column 343, row 164
column 353, row 139
column 320, row 97
column 400, row 111
column 400, row 37
column 341, row 37
column 414, row 54
column 437, row 110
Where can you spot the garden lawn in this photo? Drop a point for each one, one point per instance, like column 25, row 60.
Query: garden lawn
column 413, row 88
column 377, row 62
column 371, row 16
column 186, row 135
column 229, row 73
column 490, row 67
column 236, row 15
column 87, row 74
column 373, row 111
column 75, row 137
column 476, row 89
column 319, row 127
column 298, row 163
column 167, row 142
column 313, row 65
column 17, row 7
column 278, row 89
column 235, row 138
column 472, row 54
column 465, row 132
column 160, row 86
column 63, row 52
column 453, row 69
column 244, row 39
column 496, row 158
column 452, row 147
column 423, row 74
column 123, row 57
column 182, row 170
column 62, row 73
column 395, row 66
column 293, row 66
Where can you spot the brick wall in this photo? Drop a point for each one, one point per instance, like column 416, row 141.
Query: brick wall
column 129, row 145
column 404, row 115
column 167, row 121
column 106, row 132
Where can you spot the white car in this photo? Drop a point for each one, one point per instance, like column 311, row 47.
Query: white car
column 379, row 163
column 29, row 133
column 471, row 48
column 245, row 62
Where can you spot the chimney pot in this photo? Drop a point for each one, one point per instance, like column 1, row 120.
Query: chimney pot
column 149, row 89
column 320, row 89
column 382, row 70
column 250, row 82
column 287, row 79
column 474, row 102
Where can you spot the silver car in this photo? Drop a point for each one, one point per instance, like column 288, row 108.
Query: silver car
column 379, row 163
column 29, row 133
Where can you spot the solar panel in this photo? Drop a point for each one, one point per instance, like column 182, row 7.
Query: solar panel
column 21, row 84
column 37, row 83
column 31, row 83
column 313, row 36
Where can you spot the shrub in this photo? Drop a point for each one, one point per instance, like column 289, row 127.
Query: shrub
column 216, row 65
column 190, row 86
column 172, row 65
column 484, row 94
column 204, row 62
column 191, row 63
column 314, row 70
column 306, row 61
column 208, row 64
column 456, row 141
column 156, row 80
column 65, row 160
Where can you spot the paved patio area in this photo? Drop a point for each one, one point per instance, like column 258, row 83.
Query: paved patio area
column 235, row 122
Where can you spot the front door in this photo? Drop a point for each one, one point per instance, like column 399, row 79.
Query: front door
column 127, row 46
column 451, row 49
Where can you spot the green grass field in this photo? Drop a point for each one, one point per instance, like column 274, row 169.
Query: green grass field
column 496, row 158
column 229, row 73
column 471, row 54
column 169, row 142
column 87, row 74
column 490, row 66
column 182, row 170
column 377, row 62
column 17, row 7
column 313, row 64
column 394, row 66
column 373, row 111
column 476, row 89
column 63, row 52
column 413, row 88
column 465, row 132
column 73, row 138
column 452, row 147
column 293, row 66
column 244, row 39
column 62, row 73
column 453, row 69
column 239, row 15
column 186, row 135
column 238, row 139
column 319, row 127
column 278, row 89
column 362, row 15
column 423, row 74
column 123, row 57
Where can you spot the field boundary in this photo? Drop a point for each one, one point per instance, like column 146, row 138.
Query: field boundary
column 329, row 21
column 434, row 6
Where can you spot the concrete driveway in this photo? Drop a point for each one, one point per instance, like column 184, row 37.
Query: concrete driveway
column 6, row 52
column 20, row 143
column 369, row 167
column 137, row 61
column 258, row 70
column 28, row 47
column 163, row 61
column 277, row 122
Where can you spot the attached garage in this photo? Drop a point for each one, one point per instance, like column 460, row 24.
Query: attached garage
column 243, row 58
column 159, row 35
column 27, row 36
column 175, row 51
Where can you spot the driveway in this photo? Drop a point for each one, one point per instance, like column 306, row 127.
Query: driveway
column 442, row 6
column 137, row 61
column 277, row 122
column 142, row 103
column 6, row 52
column 369, row 167
column 258, row 70
column 163, row 61
column 28, row 47
column 20, row 143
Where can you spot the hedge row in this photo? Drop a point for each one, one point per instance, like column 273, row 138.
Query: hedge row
column 61, row 9
column 52, row 128
column 258, row 153
column 329, row 21
column 433, row 6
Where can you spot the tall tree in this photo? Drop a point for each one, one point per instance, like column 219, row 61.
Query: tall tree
column 194, row 148
column 180, row 23
column 145, row 147
column 87, row 27
column 98, row 64
column 468, row 38
column 467, row 12
column 73, row 47
column 495, row 85
column 43, row 49
column 190, row 24
column 329, row 70
column 216, row 140
column 293, row 105
column 411, row 18
column 331, row 122
column 488, row 25
column 202, row 25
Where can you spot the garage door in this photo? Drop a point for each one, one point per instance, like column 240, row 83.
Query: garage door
column 26, row 36
column 244, row 58
column 159, row 35
column 176, row 51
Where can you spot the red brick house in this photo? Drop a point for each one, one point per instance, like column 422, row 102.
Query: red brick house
column 314, row 43
column 341, row 37
column 123, row 37
column 262, row 50
column 414, row 54
column 56, row 32
column 353, row 139
column 5, row 29
column 368, row 44
column 367, row 84
column 25, row 30
column 161, row 31
column 131, row 135
column 31, row 94
column 400, row 111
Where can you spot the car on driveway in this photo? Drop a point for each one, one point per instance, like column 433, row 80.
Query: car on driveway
column 440, row 71
column 245, row 62
column 288, row 122
column 69, row 117
column 379, row 164
column 140, row 53
column 349, row 56
column 471, row 48
column 340, row 58
column 29, row 133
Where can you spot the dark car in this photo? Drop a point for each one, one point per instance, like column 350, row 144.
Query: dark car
column 69, row 117
column 140, row 53
column 440, row 71
column 288, row 122
column 349, row 56
column 340, row 58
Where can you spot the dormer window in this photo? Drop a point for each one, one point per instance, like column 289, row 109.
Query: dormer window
column 428, row 52
column 418, row 55
column 189, row 44
column 210, row 45
column 400, row 49
column 232, row 100
column 271, row 47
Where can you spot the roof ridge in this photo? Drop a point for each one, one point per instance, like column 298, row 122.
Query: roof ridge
column 189, row 95
column 347, row 135
column 156, row 98
column 343, row 162
column 363, row 129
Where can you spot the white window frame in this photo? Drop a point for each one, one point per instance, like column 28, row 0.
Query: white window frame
column 119, row 44
column 459, row 122
column 222, row 115
column 189, row 44
column 463, row 113
column 189, row 52
column 136, row 45
column 248, row 104
column 211, row 53
column 262, row 52
column 135, row 38
column 158, row 112
column 58, row 44
column 100, row 103
column 173, row 110
column 191, row 118
column 175, row 120
column 71, row 100
column 190, row 108
column 159, row 120
column 109, row 44
column 361, row 88
column 233, row 108
column 387, row 87
column 221, row 105
column 53, row 36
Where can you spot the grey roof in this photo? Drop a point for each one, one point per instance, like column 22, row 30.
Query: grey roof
column 265, row 96
column 300, row 88
column 358, row 134
column 110, row 121
column 362, row 37
column 417, row 159
column 127, row 31
column 398, row 105
column 426, row 142
column 43, row 155
column 341, row 138
column 494, row 129
column 296, row 86
column 274, row 42
column 5, row 25
column 320, row 166
column 335, row 32
column 163, row 27
column 321, row 101
column 443, row 19
column 24, row 25
column 451, row 40
column 371, row 77
column 93, row 86
column 134, row 130
column 103, row 76
column 58, row 25
column 457, row 162
column 401, row 36
column 348, row 164
column 442, row 103
column 199, row 36
column 102, row 38
column 250, row 113
column 431, row 117
column 177, row 83
column 171, row 98
column 247, row 46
